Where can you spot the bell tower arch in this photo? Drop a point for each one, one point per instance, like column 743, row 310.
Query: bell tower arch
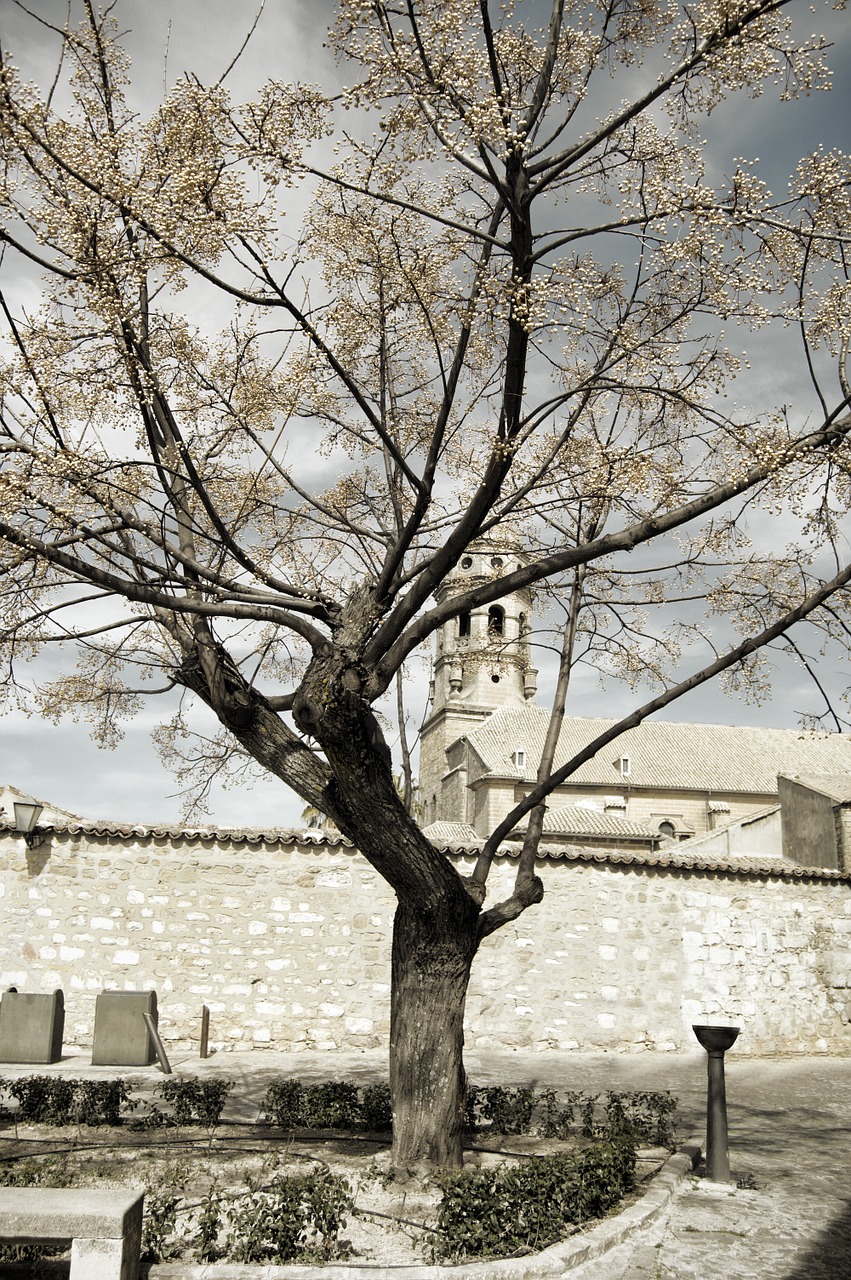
column 481, row 662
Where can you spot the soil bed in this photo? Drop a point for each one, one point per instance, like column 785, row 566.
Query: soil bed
column 391, row 1224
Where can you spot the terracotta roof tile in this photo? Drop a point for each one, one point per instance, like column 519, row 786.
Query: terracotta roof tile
column 576, row 820
column 837, row 787
column 200, row 835
column 450, row 833
column 698, row 757
column 772, row 867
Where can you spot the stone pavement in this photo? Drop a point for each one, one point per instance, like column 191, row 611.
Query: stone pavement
column 790, row 1149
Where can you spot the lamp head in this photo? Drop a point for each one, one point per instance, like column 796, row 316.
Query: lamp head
column 27, row 814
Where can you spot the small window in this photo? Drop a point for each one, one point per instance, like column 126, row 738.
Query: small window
column 466, row 562
column 464, row 625
column 668, row 829
column 625, row 765
column 496, row 620
column 495, row 678
column 520, row 759
column 496, row 562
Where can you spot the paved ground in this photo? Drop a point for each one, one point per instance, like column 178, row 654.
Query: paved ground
column 790, row 1149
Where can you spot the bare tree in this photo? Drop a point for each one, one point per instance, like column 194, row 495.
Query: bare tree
column 503, row 317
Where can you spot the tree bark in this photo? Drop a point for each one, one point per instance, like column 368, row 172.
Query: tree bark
column 430, row 973
column 436, row 929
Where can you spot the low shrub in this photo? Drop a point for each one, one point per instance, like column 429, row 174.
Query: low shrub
column 509, row 1210
column 645, row 1116
column 376, row 1113
column 337, row 1104
column 565, row 1116
column 58, row 1101
column 163, row 1202
column 283, row 1104
column 43, row 1099
column 507, row 1110
column 192, row 1101
column 209, row 1225
column 648, row 1117
column 100, row 1102
column 293, row 1217
column 333, row 1105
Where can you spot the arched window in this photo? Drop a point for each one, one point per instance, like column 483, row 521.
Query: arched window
column 666, row 828
column 464, row 625
column 496, row 620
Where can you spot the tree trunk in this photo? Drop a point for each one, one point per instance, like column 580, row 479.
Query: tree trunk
column 431, row 969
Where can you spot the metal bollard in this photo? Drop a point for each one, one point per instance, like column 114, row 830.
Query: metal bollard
column 716, row 1041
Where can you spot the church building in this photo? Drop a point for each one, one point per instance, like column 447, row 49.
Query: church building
column 660, row 782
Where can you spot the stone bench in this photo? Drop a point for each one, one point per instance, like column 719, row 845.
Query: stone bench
column 104, row 1226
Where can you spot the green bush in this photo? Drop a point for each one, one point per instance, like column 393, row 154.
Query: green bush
column 337, row 1104
column 283, row 1104
column 376, row 1113
column 644, row 1116
column 193, row 1101
column 334, row 1105
column 209, row 1225
column 507, row 1110
column 44, row 1099
column 211, row 1099
column 57, row 1101
column 100, row 1102
column 508, row 1210
column 296, row 1217
column 162, row 1205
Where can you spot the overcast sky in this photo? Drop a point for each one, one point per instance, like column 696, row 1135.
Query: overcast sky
column 59, row 763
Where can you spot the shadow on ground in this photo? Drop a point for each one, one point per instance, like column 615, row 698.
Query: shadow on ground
column 828, row 1257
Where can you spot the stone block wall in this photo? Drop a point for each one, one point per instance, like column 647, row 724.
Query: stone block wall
column 286, row 945
column 289, row 945
column 628, row 956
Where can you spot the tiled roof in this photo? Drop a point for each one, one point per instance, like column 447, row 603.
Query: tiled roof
column 450, row 833
column 774, row 867
column 692, row 757
column 576, row 820
column 193, row 835
column 671, row 857
column 837, row 788
column 50, row 812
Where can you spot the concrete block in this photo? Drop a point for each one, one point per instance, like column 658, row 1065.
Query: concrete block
column 31, row 1026
column 121, row 1037
column 104, row 1226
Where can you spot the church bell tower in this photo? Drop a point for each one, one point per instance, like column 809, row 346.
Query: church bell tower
column 481, row 662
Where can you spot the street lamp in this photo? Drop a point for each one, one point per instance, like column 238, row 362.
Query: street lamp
column 27, row 814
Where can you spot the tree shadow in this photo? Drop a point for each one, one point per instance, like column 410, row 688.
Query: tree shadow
column 828, row 1257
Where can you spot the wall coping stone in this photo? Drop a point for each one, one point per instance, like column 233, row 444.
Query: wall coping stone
column 669, row 859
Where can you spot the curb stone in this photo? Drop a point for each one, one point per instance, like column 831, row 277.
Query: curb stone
column 553, row 1261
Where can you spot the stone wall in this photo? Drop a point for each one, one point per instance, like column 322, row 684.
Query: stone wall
column 289, row 944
